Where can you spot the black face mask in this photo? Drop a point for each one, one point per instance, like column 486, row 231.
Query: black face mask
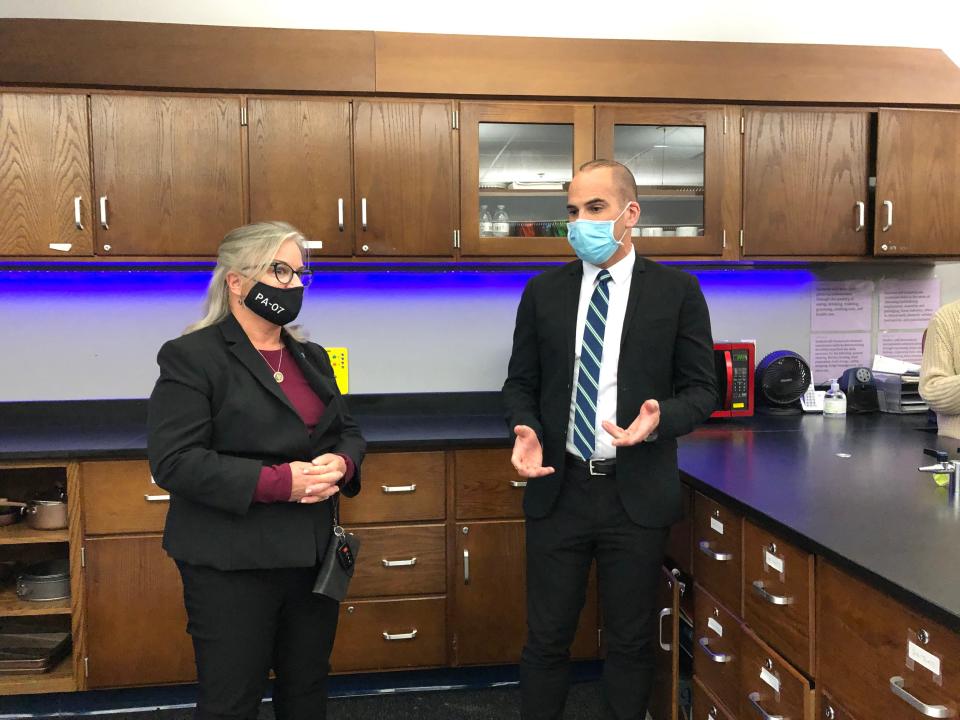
column 277, row 305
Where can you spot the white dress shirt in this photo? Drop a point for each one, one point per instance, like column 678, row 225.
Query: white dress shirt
column 619, row 286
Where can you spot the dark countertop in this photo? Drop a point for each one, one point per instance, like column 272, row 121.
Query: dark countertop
column 872, row 512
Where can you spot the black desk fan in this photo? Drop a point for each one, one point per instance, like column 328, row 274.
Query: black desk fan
column 781, row 379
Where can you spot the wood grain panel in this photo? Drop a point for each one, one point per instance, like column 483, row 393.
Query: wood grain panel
column 793, row 701
column 136, row 621
column 170, row 168
column 301, row 168
column 716, row 648
column 830, row 709
column 115, row 498
column 705, row 705
column 423, row 544
column 398, row 487
column 803, row 173
column 487, row 486
column 168, row 55
column 44, row 168
column 721, row 577
column 405, row 169
column 918, row 170
column 666, row 660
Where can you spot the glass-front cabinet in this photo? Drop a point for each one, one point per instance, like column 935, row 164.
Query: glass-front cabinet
column 677, row 155
column 516, row 162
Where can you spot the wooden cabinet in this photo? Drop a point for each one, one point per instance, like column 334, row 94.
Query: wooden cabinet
column 121, row 497
column 918, row 169
column 664, row 695
column 167, row 173
column 44, row 175
column 398, row 487
column 717, row 554
column 805, row 177
column 705, row 705
column 400, row 560
column 405, row 185
column 679, row 548
column 487, row 486
column 769, row 685
column 830, row 709
column 716, row 648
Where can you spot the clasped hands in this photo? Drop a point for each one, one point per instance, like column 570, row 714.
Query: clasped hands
column 316, row 481
column 527, row 458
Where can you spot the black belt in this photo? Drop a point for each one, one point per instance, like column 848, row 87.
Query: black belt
column 595, row 468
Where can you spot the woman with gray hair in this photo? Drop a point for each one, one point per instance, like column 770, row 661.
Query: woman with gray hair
column 251, row 437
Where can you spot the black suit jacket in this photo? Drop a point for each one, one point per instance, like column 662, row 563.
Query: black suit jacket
column 666, row 353
column 216, row 416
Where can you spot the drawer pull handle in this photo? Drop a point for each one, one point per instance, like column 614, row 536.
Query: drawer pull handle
column 518, row 483
column 934, row 711
column 666, row 612
column 715, row 656
column 157, row 498
column 711, row 553
column 77, row 215
column 399, row 488
column 340, row 213
column 754, row 699
column 399, row 563
column 466, row 567
column 400, row 636
column 760, row 590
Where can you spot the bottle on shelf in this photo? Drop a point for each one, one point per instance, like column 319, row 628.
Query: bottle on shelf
column 486, row 222
column 501, row 222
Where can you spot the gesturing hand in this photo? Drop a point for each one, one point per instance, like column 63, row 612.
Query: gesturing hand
column 527, row 455
column 647, row 421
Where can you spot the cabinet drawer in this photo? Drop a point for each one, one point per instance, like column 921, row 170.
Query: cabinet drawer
column 705, row 705
column 398, row 487
column 389, row 634
column 487, row 485
column 778, row 594
column 830, row 709
column 716, row 647
column 404, row 560
column 769, row 684
column 717, row 553
column 121, row 497
column 866, row 640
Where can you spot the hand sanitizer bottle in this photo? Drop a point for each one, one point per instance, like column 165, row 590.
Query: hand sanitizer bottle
column 835, row 402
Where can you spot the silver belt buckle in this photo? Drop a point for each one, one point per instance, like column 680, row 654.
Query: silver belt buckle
column 592, row 473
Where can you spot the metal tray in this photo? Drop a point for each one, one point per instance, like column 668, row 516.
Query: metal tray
column 31, row 652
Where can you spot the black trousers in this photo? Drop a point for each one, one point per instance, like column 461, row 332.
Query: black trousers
column 245, row 622
column 589, row 522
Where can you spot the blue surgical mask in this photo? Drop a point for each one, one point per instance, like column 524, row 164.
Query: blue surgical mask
column 593, row 240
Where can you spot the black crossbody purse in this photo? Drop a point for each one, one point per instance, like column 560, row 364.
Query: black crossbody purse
column 339, row 560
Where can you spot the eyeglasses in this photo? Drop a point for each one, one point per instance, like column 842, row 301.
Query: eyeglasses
column 284, row 273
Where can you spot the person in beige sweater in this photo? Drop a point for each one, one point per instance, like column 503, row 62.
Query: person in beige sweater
column 940, row 369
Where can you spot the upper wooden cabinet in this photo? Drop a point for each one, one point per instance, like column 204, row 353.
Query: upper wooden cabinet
column 918, row 168
column 516, row 161
column 167, row 173
column 44, row 175
column 805, row 178
column 678, row 156
column 405, row 177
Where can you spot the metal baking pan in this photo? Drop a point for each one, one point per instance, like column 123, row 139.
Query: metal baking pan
column 32, row 652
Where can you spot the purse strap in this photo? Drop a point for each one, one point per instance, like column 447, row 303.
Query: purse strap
column 336, row 511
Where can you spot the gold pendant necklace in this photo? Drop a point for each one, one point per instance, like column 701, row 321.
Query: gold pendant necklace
column 277, row 375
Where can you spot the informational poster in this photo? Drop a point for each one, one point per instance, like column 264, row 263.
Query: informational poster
column 832, row 353
column 900, row 346
column 842, row 305
column 908, row 304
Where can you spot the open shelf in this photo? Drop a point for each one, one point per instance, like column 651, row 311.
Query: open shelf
column 59, row 679
column 23, row 534
column 12, row 606
column 490, row 192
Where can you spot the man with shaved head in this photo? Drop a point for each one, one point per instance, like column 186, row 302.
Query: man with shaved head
column 612, row 361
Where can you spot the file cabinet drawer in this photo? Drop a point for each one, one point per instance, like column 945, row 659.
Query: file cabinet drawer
column 119, row 496
column 778, row 594
column 706, row 706
column 830, row 709
column 399, row 487
column 487, row 486
column 400, row 560
column 880, row 658
column 769, row 685
column 717, row 551
column 716, row 647
column 390, row 634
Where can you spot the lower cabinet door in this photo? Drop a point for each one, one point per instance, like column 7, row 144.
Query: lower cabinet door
column 390, row 634
column 666, row 678
column 136, row 623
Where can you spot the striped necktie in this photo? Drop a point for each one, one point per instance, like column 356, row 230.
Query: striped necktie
column 588, row 376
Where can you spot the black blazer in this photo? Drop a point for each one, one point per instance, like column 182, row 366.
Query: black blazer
column 216, row 416
column 666, row 353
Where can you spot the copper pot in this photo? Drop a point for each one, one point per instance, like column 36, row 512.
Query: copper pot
column 46, row 514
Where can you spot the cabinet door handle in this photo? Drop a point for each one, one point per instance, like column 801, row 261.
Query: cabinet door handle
column 399, row 488
column 861, row 216
column 340, row 213
column 77, row 217
column 709, row 552
column 715, row 656
column 759, row 589
column 888, row 204
column 933, row 711
column 754, row 699
column 399, row 563
column 466, row 567
column 157, row 498
column 666, row 612
column 103, row 213
column 518, row 483
column 363, row 213
column 401, row 636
